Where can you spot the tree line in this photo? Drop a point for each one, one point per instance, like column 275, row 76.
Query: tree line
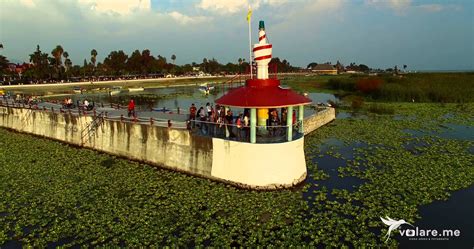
column 58, row 66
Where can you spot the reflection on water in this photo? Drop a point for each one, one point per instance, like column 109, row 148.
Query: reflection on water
column 455, row 213
column 354, row 115
column 451, row 131
column 330, row 164
column 174, row 97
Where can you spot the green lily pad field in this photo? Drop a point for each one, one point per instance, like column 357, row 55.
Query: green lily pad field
column 359, row 169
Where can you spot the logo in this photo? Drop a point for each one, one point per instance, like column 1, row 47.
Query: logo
column 417, row 233
column 392, row 225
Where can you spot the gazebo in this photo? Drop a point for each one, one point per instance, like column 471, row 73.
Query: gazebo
column 261, row 94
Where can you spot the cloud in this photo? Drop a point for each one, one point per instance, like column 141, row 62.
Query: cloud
column 438, row 7
column 184, row 19
column 396, row 5
column 324, row 5
column 223, row 6
column 401, row 6
column 233, row 6
column 121, row 7
column 28, row 3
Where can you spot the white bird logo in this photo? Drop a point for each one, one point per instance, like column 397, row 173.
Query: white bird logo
column 393, row 225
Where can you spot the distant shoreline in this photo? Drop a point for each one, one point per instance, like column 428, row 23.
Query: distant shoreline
column 107, row 83
column 445, row 71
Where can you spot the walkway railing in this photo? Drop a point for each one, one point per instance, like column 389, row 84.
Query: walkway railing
column 91, row 128
column 232, row 132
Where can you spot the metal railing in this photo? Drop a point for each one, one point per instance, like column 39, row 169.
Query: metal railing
column 233, row 132
column 91, row 128
column 227, row 131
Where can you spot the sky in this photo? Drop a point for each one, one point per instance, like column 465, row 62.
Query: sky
column 423, row 34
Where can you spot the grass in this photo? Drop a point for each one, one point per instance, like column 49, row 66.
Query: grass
column 311, row 83
column 418, row 87
column 56, row 195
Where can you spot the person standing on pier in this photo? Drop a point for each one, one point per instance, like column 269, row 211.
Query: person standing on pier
column 131, row 108
column 208, row 109
column 246, row 129
column 192, row 114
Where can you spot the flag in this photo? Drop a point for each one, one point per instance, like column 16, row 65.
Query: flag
column 249, row 15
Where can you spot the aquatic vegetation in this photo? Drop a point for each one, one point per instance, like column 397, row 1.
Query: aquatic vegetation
column 53, row 194
column 399, row 178
column 419, row 87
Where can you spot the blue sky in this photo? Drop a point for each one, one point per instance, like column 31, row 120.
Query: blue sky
column 423, row 34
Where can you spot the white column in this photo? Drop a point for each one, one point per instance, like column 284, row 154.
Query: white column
column 253, row 124
column 289, row 123
column 301, row 118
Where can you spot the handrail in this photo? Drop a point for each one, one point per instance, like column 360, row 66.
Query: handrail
column 91, row 127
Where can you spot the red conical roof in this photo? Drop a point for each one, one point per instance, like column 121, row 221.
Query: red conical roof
column 265, row 93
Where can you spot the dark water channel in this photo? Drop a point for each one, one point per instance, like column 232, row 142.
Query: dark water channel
column 455, row 213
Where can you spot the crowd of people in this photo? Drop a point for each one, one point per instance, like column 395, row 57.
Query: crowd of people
column 26, row 100
column 219, row 121
column 84, row 105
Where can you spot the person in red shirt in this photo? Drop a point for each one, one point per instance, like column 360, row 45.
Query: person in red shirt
column 131, row 108
column 294, row 117
column 192, row 114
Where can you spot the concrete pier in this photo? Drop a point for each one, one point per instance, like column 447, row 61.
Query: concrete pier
column 172, row 148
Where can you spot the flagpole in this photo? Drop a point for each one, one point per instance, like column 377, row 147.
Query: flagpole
column 250, row 47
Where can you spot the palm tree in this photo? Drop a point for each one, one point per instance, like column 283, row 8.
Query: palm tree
column 1, row 45
column 173, row 58
column 93, row 56
column 65, row 55
column 57, row 54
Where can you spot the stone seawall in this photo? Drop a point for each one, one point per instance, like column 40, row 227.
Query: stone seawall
column 318, row 119
column 172, row 148
column 256, row 166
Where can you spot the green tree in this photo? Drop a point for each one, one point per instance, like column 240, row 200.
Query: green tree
column 40, row 60
column 146, row 62
column 159, row 64
column 57, row 53
column 363, row 68
column 3, row 64
column 134, row 63
column 173, row 58
column 116, row 61
column 311, row 65
column 282, row 66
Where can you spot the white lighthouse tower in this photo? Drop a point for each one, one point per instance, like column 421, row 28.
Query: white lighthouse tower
column 262, row 52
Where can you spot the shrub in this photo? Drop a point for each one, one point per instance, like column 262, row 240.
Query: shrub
column 381, row 109
column 357, row 102
column 342, row 84
column 369, row 85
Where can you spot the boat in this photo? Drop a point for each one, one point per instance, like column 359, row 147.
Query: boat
column 205, row 88
column 115, row 90
column 163, row 109
column 77, row 89
column 136, row 89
